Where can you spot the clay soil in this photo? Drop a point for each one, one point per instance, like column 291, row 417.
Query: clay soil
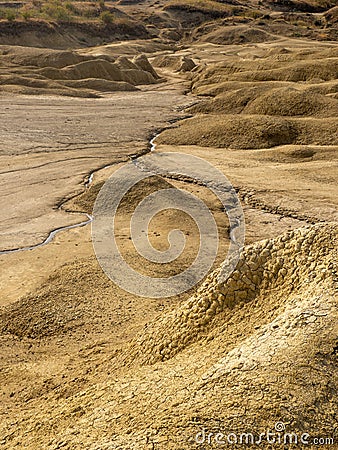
column 86, row 365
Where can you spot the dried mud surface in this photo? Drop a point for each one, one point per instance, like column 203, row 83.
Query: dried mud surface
column 86, row 365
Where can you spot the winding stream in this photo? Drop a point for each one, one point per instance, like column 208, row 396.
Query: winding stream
column 53, row 233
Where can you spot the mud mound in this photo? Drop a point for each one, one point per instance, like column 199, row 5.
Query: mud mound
column 249, row 132
column 330, row 87
column 212, row 89
column 231, row 131
column 187, row 64
column 237, row 35
column 142, row 62
column 299, row 71
column 167, row 61
column 100, row 85
column 299, row 153
column 176, row 63
column 266, row 99
column 170, row 35
column 30, row 56
column 29, row 82
column 137, row 76
column 233, row 66
column 141, row 73
column 141, row 190
column 101, row 69
column 212, row 78
column 313, row 53
column 60, row 90
column 293, row 154
column 233, row 101
column 55, row 308
column 292, row 102
column 125, row 64
column 75, row 88
column 273, row 270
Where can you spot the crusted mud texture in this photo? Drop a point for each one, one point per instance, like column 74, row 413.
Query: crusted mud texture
column 251, row 87
column 237, row 357
column 272, row 271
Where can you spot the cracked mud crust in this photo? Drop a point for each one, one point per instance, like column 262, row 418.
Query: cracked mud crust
column 252, row 89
